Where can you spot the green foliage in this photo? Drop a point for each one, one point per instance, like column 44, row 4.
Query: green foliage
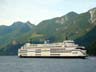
column 73, row 26
column 92, row 49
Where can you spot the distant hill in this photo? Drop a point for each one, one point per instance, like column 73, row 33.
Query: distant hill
column 15, row 34
column 79, row 27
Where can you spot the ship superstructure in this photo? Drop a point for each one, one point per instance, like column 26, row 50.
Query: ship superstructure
column 68, row 48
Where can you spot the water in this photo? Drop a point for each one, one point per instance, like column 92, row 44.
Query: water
column 15, row 64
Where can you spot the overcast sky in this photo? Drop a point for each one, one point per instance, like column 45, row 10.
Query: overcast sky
column 38, row 10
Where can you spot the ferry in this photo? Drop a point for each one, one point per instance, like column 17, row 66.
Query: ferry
column 67, row 48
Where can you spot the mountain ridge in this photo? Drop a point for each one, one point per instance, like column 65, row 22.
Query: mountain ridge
column 78, row 27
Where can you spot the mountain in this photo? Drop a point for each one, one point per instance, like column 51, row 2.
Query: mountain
column 15, row 31
column 89, row 40
column 79, row 27
column 15, row 34
column 72, row 25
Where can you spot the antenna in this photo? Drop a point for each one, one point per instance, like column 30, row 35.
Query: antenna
column 66, row 37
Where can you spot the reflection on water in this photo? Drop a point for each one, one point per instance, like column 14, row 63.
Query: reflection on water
column 15, row 64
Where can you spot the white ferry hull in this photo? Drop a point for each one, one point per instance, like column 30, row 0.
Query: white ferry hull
column 53, row 57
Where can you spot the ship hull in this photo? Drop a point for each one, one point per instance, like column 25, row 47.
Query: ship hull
column 66, row 49
column 53, row 57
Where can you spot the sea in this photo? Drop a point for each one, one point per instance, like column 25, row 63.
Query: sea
column 16, row 64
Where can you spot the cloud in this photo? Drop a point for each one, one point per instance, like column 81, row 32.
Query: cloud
column 5, row 21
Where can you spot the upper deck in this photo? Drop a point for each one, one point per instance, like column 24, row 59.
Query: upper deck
column 68, row 44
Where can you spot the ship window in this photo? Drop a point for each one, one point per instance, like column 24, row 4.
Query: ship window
column 23, row 51
column 57, row 50
column 54, row 54
column 30, row 51
column 67, row 51
column 74, row 52
column 37, row 54
column 38, row 50
column 81, row 48
column 45, row 50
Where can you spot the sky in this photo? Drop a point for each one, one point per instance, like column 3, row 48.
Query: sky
column 37, row 10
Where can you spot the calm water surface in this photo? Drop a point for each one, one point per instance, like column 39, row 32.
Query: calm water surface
column 15, row 64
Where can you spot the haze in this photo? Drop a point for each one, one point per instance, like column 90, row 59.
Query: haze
column 37, row 10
